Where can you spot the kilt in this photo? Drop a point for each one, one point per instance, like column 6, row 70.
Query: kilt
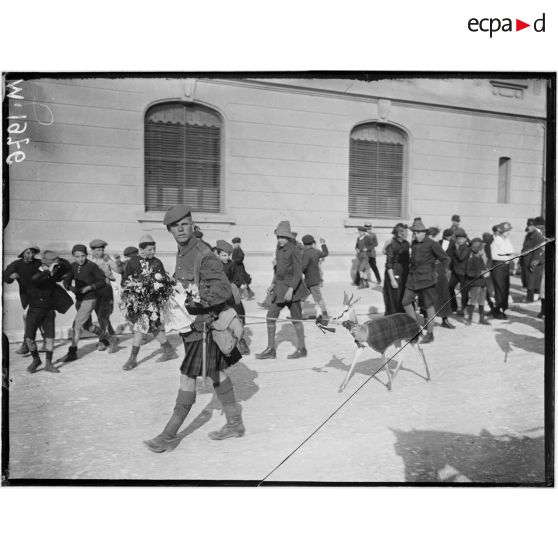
column 216, row 361
column 384, row 331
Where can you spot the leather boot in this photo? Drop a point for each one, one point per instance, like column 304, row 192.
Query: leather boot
column 299, row 353
column 131, row 362
column 482, row 319
column 35, row 363
column 23, row 349
column 234, row 428
column 268, row 353
column 71, row 355
column 468, row 314
column 168, row 353
column 168, row 440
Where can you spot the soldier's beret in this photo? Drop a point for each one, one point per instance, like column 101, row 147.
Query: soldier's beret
column 97, row 243
column 175, row 213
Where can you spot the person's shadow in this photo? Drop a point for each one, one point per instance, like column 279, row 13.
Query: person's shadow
column 507, row 341
column 244, row 385
column 433, row 456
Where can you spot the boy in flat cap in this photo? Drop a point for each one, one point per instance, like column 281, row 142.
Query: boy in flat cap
column 288, row 290
column 84, row 279
column 105, row 296
column 42, row 305
column 476, row 273
column 22, row 270
column 311, row 257
column 133, row 268
column 459, row 256
column 223, row 251
column 421, row 280
column 197, row 265
column 531, row 264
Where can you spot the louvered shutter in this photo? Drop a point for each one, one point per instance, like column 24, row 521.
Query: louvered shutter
column 376, row 172
column 182, row 158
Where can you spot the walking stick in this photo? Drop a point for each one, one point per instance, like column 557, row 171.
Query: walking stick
column 204, row 356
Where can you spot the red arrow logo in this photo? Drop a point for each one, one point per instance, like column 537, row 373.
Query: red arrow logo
column 519, row 25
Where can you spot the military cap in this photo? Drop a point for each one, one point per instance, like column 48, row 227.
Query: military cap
column 308, row 239
column 224, row 246
column 79, row 248
column 146, row 240
column 175, row 213
column 130, row 251
column 33, row 247
column 97, row 243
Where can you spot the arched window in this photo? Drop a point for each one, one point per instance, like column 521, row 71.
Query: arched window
column 182, row 157
column 377, row 171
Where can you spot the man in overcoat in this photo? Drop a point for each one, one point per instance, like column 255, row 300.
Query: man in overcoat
column 197, row 265
column 531, row 264
column 288, row 290
column 421, row 280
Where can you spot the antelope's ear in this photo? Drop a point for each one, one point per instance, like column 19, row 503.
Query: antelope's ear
column 349, row 301
column 345, row 299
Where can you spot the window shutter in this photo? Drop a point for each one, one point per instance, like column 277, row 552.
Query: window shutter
column 182, row 158
column 376, row 172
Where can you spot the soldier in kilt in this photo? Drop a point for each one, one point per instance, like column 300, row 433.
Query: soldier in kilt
column 197, row 265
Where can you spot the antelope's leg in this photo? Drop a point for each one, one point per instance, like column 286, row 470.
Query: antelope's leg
column 386, row 365
column 424, row 360
column 350, row 372
column 397, row 345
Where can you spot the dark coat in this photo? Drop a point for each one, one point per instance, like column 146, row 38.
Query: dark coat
column 84, row 275
column 239, row 275
column 41, row 293
column 398, row 254
column 475, row 265
column 531, row 264
column 25, row 272
column 288, row 273
column 459, row 256
column 311, row 264
column 365, row 247
column 424, row 255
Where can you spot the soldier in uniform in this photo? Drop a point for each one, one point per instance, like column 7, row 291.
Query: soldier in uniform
column 22, row 270
column 288, row 289
column 105, row 296
column 196, row 264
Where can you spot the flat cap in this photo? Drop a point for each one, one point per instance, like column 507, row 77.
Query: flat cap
column 456, row 218
column 224, row 246
column 460, row 232
column 130, row 251
column 236, row 240
column 308, row 239
column 145, row 240
column 79, row 248
column 97, row 243
column 175, row 213
column 33, row 247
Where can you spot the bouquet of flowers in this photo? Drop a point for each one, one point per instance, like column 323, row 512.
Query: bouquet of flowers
column 175, row 315
column 145, row 296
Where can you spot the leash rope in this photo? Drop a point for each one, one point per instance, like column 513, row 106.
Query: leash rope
column 547, row 241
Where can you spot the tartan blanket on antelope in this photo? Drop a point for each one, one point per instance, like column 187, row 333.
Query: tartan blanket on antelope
column 384, row 331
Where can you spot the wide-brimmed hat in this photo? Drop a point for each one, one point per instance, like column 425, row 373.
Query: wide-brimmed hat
column 308, row 239
column 418, row 225
column 146, row 240
column 460, row 232
column 504, row 227
column 33, row 247
column 175, row 213
column 97, row 243
column 224, row 246
column 130, row 251
column 284, row 229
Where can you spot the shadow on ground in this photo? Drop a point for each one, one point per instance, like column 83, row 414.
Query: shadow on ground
column 432, row 456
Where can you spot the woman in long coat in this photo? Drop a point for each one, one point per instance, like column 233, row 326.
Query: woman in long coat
column 397, row 269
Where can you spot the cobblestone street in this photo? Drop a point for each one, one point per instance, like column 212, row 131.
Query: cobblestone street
column 480, row 419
